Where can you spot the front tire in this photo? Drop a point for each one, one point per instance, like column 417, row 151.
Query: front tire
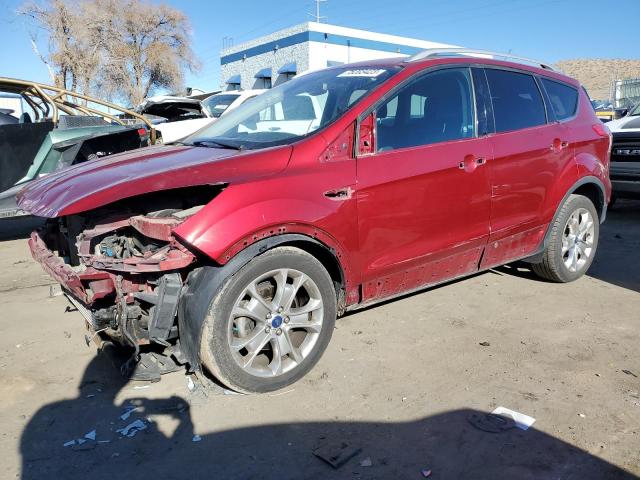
column 270, row 323
column 572, row 243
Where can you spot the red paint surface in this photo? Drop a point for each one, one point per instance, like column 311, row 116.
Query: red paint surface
column 409, row 218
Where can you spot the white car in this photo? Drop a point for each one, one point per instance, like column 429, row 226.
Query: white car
column 223, row 102
column 178, row 117
column 624, row 169
column 629, row 123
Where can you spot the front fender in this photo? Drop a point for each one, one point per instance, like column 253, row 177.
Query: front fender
column 204, row 283
column 296, row 203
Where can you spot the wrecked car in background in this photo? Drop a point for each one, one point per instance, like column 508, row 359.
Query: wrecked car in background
column 58, row 128
column 235, row 250
column 177, row 117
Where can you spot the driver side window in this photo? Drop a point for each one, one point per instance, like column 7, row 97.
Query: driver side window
column 437, row 107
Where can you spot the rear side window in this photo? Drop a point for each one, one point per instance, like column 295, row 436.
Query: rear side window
column 563, row 98
column 517, row 102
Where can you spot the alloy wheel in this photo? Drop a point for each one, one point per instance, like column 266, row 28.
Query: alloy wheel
column 275, row 322
column 577, row 240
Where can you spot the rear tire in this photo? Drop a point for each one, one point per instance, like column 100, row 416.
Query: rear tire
column 270, row 323
column 572, row 242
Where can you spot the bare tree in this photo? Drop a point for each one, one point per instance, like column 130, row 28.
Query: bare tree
column 61, row 27
column 152, row 49
column 123, row 49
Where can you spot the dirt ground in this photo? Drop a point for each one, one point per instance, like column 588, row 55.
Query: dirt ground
column 398, row 384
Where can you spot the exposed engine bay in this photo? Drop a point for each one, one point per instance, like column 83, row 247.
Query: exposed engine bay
column 123, row 269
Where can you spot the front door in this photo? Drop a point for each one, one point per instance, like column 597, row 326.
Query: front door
column 423, row 194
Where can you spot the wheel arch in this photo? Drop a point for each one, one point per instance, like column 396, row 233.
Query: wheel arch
column 590, row 187
column 205, row 282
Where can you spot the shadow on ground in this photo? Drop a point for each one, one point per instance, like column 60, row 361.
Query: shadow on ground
column 447, row 444
column 20, row 227
column 618, row 256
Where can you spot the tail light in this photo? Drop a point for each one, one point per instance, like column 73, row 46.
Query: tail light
column 142, row 132
column 602, row 130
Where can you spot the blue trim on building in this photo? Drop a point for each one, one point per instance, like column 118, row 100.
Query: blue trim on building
column 233, row 80
column 266, row 47
column 264, row 73
column 320, row 37
column 289, row 68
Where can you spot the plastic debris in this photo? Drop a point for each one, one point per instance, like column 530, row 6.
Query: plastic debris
column 69, row 443
column 629, row 372
column 190, row 385
column 336, row 455
column 84, row 446
column 485, row 344
column 91, row 435
column 91, row 395
column 141, row 387
column 489, row 422
column 582, row 415
column 196, row 438
column 132, row 429
column 522, row 421
column 366, row 462
column 425, row 473
column 129, row 410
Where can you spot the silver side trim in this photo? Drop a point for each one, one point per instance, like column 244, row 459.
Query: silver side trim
column 465, row 52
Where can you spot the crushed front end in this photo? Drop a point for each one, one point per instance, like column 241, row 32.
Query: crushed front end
column 125, row 274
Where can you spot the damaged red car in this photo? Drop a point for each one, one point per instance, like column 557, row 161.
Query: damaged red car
column 235, row 250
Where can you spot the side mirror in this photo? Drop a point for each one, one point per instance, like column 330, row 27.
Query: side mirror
column 366, row 135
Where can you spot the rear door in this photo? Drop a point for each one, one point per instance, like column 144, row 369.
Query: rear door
column 423, row 192
column 530, row 151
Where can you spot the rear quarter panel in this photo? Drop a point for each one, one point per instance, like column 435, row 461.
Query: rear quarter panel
column 592, row 151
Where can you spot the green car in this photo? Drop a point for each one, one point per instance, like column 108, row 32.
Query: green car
column 56, row 129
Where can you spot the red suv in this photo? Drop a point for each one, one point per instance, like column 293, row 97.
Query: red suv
column 236, row 249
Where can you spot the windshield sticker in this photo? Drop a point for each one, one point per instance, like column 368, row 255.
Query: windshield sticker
column 363, row 72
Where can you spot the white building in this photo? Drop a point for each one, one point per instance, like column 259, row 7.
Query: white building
column 275, row 58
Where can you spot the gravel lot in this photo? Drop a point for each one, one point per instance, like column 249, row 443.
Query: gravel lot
column 398, row 383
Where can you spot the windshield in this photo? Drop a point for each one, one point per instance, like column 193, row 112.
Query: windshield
column 293, row 109
column 217, row 104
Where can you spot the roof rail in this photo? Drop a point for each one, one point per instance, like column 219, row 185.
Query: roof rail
column 465, row 52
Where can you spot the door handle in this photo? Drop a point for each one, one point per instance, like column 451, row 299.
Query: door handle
column 339, row 194
column 470, row 163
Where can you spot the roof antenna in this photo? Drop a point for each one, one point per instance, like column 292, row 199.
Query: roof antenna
column 317, row 16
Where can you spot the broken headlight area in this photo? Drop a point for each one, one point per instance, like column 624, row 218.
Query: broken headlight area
column 139, row 244
column 124, row 275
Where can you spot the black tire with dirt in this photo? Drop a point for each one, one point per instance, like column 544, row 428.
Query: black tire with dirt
column 216, row 353
column 552, row 266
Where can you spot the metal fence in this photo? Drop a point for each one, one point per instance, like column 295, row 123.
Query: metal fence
column 626, row 93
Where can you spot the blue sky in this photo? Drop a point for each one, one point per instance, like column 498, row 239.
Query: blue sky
column 546, row 29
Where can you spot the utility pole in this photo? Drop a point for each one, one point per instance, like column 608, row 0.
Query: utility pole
column 317, row 15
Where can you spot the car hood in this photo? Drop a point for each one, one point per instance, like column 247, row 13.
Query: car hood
column 625, row 124
column 100, row 182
